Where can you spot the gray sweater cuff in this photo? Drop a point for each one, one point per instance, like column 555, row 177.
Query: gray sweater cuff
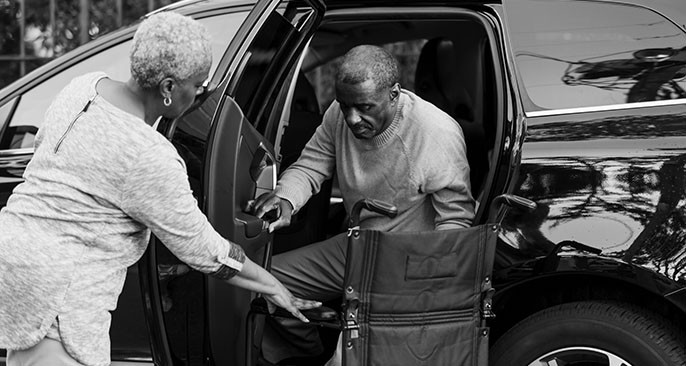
column 288, row 195
column 231, row 263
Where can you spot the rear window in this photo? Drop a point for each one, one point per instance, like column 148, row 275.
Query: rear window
column 574, row 53
column 115, row 62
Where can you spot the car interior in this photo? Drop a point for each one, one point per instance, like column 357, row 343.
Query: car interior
column 446, row 61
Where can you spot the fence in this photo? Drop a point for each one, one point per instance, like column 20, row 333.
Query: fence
column 33, row 32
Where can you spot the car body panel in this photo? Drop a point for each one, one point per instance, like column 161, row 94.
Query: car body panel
column 605, row 176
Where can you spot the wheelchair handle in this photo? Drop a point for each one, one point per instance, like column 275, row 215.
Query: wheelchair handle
column 377, row 206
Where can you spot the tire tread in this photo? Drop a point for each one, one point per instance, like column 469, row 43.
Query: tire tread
column 668, row 338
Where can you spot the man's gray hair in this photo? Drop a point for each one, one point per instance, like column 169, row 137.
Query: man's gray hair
column 168, row 44
column 366, row 62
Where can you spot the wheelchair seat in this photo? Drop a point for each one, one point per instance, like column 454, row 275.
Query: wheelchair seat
column 419, row 298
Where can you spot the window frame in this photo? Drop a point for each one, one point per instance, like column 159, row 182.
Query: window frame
column 531, row 109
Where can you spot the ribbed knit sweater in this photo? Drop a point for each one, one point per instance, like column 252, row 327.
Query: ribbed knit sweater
column 100, row 180
column 418, row 163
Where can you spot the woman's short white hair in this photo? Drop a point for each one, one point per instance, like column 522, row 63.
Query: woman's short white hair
column 169, row 44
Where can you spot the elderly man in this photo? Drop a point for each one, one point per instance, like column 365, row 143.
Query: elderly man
column 383, row 142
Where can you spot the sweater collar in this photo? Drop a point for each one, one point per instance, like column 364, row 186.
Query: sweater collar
column 392, row 129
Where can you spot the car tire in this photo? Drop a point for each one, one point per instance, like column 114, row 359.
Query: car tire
column 591, row 333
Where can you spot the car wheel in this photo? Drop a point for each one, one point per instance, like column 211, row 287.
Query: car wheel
column 590, row 333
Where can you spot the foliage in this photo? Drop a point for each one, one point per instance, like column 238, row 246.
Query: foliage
column 44, row 41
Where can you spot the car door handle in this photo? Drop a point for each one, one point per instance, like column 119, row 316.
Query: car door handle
column 252, row 225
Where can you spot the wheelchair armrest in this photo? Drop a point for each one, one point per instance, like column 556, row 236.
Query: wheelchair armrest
column 322, row 315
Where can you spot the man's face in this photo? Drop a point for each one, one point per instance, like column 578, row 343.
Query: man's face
column 367, row 110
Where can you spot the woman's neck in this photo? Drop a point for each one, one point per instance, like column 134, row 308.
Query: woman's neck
column 147, row 108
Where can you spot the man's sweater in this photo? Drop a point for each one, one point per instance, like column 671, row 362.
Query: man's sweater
column 418, row 164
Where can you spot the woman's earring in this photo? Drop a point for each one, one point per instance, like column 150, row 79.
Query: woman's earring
column 167, row 101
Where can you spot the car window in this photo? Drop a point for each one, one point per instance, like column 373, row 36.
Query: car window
column 33, row 104
column 5, row 110
column 115, row 62
column 264, row 65
column 574, row 53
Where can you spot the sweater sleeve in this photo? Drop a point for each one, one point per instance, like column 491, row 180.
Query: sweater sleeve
column 447, row 181
column 315, row 165
column 157, row 194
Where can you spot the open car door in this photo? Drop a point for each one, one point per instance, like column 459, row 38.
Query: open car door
column 239, row 165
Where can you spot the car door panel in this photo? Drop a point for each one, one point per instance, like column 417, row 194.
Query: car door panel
column 240, row 164
column 235, row 145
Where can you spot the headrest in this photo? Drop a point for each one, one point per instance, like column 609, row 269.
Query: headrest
column 437, row 81
column 305, row 97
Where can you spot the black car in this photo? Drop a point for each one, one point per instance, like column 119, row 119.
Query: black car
column 578, row 105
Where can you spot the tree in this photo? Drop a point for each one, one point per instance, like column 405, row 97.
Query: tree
column 53, row 28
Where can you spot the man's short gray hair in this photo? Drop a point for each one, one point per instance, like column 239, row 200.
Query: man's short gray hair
column 368, row 62
column 168, row 44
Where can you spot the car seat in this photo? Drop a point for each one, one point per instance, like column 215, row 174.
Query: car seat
column 309, row 225
column 452, row 81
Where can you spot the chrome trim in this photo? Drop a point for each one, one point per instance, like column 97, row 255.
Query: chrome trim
column 16, row 152
column 172, row 7
column 273, row 178
column 3, row 361
column 600, row 108
column 612, row 359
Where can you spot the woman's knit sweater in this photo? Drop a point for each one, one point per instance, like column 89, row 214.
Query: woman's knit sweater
column 100, row 180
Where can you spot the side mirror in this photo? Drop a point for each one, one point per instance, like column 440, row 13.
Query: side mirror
column 654, row 54
column 513, row 201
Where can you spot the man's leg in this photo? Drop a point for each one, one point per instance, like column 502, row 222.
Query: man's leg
column 313, row 272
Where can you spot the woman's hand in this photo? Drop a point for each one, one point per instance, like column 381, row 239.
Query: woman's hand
column 257, row 279
column 283, row 298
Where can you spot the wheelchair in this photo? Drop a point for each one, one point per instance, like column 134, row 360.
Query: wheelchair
column 409, row 298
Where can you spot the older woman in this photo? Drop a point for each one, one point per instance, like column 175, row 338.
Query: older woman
column 100, row 181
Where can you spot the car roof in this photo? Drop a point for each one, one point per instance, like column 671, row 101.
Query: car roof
column 194, row 6
column 372, row 3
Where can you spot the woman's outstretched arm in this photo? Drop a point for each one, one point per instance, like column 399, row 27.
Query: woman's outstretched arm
column 255, row 278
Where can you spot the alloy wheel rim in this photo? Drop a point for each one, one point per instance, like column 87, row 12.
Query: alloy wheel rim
column 579, row 356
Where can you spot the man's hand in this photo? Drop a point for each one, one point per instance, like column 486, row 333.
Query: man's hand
column 270, row 202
